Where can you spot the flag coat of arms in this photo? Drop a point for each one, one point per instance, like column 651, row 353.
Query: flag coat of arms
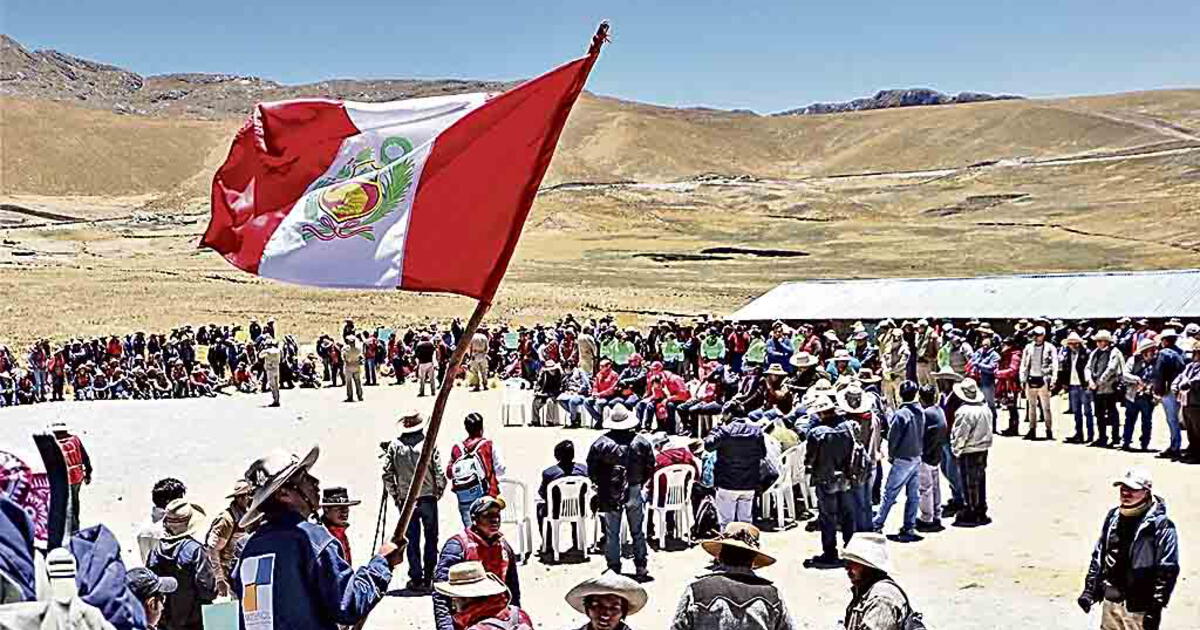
column 427, row 194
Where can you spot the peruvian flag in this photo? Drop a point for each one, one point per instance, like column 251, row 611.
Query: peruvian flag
column 427, row 194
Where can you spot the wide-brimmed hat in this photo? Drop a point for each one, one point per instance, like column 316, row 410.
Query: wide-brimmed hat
column 865, row 400
column 946, row 374
column 1073, row 338
column 1146, row 344
column 968, row 390
column 182, row 519
column 268, row 474
column 411, row 422
column 820, row 403
column 619, row 418
column 803, row 359
column 470, row 580
column 821, row 388
column 870, row 550
column 240, row 488
column 868, row 376
column 842, row 354
column 740, row 535
column 776, row 369
column 1168, row 332
column 1135, row 478
column 337, row 497
column 1102, row 335
column 608, row 583
column 1038, row 330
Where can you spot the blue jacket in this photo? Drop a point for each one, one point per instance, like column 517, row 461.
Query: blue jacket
column 780, row 351
column 1168, row 365
column 292, row 574
column 906, row 431
column 16, row 549
column 100, row 575
column 740, row 448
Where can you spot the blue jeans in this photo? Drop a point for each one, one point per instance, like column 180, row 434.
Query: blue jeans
column 633, row 511
column 1080, row 400
column 465, row 499
column 422, row 538
column 864, row 515
column 950, row 471
column 1170, row 405
column 571, row 403
column 834, row 510
column 646, row 413
column 1141, row 406
column 902, row 476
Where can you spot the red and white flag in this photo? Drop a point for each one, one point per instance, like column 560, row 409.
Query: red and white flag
column 427, row 194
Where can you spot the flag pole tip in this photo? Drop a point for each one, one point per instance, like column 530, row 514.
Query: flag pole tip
column 600, row 38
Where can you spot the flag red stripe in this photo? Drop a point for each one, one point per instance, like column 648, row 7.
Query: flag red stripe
column 280, row 150
column 479, row 182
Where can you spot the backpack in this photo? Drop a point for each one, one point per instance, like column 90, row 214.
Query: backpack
column 913, row 620
column 706, row 525
column 468, row 471
column 856, row 466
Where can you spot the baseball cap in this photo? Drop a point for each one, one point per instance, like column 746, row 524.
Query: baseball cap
column 1136, row 479
column 145, row 584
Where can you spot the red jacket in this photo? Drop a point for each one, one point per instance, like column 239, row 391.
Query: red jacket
column 1008, row 372
column 605, row 384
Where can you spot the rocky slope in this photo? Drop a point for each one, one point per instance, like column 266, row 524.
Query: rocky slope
column 886, row 99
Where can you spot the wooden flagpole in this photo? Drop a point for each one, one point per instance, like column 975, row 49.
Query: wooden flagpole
column 431, row 432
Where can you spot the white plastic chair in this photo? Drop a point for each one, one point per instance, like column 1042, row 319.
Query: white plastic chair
column 515, row 397
column 800, row 476
column 780, row 497
column 568, row 497
column 674, row 484
column 549, row 416
column 516, row 514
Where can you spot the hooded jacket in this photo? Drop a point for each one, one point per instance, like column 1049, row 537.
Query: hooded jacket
column 1153, row 560
column 17, row 583
column 100, row 574
column 185, row 560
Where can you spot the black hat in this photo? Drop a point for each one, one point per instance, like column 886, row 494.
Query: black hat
column 145, row 584
column 336, row 497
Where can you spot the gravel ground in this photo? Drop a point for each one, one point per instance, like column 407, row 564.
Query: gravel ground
column 1025, row 570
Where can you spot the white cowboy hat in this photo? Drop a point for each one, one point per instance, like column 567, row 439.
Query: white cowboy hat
column 1146, row 344
column 1102, row 335
column 608, row 583
column 803, row 359
column 182, row 519
column 469, row 580
column 411, row 422
column 1168, row 332
column 740, row 535
column 1074, row 338
column 775, row 369
column 865, row 400
column 619, row 418
column 819, row 404
column 946, row 374
column 870, row 550
column 268, row 474
column 841, row 354
column 968, row 390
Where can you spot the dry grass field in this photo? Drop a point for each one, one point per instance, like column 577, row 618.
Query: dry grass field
column 103, row 211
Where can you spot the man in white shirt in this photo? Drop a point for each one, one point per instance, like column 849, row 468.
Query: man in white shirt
column 149, row 533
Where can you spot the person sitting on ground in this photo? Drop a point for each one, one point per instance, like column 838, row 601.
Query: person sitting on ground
column 877, row 601
column 479, row 599
column 481, row 542
column 733, row 597
column 607, row 600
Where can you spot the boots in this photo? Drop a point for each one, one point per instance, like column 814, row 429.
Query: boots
column 1013, row 423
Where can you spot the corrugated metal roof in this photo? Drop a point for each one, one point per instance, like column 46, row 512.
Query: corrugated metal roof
column 1174, row 293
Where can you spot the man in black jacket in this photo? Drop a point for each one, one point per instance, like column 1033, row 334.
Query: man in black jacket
column 619, row 464
column 1136, row 560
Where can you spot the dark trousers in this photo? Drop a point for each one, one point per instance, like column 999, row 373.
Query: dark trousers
column 1143, row 407
column 973, row 469
column 422, row 554
column 1107, row 420
column 835, row 510
column 1191, row 423
column 73, row 510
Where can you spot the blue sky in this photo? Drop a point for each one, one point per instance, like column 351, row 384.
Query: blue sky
column 763, row 56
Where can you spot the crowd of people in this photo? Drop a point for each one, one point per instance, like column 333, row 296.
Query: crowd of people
column 893, row 408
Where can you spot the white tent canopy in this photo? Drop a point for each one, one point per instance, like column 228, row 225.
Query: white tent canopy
column 1155, row 294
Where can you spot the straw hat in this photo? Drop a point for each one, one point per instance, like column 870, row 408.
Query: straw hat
column 469, row 580
column 946, row 374
column 1102, row 335
column 240, row 488
column 182, row 519
column 608, row 583
column 1146, row 344
column 1074, row 338
column 619, row 419
column 740, row 535
column 819, row 404
column 803, row 359
column 411, row 422
column 1168, row 333
column 268, row 474
column 870, row 550
column 841, row 354
column 775, row 369
column 968, row 390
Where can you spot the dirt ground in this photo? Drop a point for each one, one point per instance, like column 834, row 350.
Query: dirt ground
column 1025, row 570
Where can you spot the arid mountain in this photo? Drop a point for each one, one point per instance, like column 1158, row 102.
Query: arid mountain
column 646, row 210
column 885, row 99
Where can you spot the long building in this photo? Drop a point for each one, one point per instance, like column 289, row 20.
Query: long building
column 1098, row 296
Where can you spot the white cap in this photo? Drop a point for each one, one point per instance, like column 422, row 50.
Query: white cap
column 1136, row 479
